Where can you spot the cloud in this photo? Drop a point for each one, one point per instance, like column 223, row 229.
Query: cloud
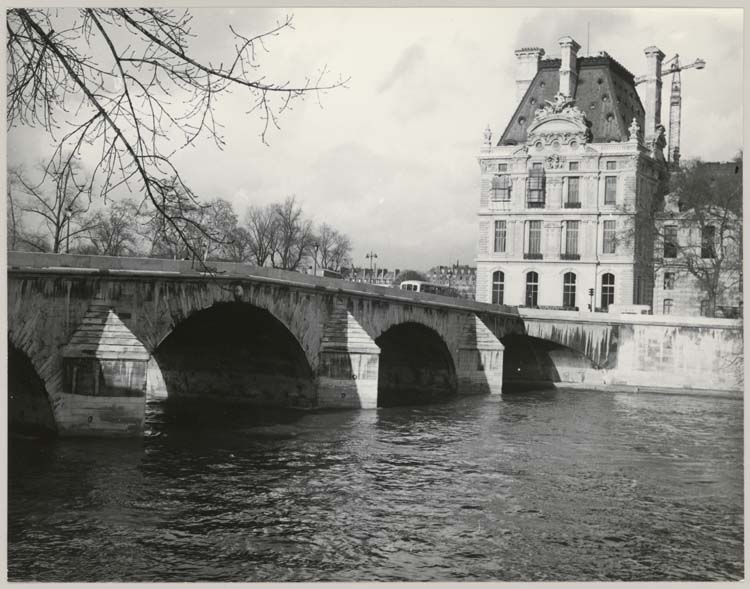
column 407, row 64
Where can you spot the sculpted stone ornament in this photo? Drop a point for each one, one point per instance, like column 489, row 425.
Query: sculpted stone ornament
column 658, row 143
column 558, row 103
column 559, row 121
column 554, row 162
column 635, row 131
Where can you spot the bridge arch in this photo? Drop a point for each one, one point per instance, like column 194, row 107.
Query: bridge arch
column 232, row 351
column 29, row 406
column 415, row 366
column 530, row 360
column 176, row 302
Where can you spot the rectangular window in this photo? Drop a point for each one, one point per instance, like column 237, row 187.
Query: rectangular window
column 668, row 280
column 571, row 240
column 611, row 165
column 536, row 187
column 708, row 237
column 610, row 190
column 670, row 241
column 501, row 187
column 500, row 233
column 502, row 167
column 573, row 166
column 573, row 201
column 535, row 241
column 668, row 306
column 609, row 237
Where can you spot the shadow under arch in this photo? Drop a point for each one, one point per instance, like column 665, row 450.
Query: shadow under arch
column 29, row 408
column 232, row 352
column 531, row 362
column 415, row 366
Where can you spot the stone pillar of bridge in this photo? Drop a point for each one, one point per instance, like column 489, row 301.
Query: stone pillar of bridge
column 104, row 378
column 480, row 360
column 348, row 369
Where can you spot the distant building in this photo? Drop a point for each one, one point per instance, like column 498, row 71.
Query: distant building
column 561, row 187
column 709, row 243
column 463, row 278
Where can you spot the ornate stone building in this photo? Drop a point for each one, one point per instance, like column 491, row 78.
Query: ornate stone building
column 561, row 189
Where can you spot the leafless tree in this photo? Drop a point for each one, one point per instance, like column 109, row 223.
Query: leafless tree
column 333, row 249
column 295, row 236
column 57, row 204
column 238, row 247
column 261, row 225
column 124, row 83
column 115, row 230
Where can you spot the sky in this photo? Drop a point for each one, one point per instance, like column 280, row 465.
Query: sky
column 391, row 159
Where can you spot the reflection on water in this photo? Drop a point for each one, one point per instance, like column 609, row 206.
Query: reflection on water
column 540, row 486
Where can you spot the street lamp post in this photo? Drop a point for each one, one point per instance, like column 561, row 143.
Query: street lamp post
column 68, row 215
column 372, row 256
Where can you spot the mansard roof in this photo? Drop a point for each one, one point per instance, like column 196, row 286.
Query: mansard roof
column 605, row 93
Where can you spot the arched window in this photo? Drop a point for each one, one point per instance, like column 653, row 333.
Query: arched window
column 608, row 290
column 569, row 290
column 498, row 287
column 532, row 289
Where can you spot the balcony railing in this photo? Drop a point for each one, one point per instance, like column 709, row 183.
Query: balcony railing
column 534, row 204
column 572, row 205
column 529, row 256
column 570, row 256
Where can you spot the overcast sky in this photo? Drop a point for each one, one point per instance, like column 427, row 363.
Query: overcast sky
column 391, row 159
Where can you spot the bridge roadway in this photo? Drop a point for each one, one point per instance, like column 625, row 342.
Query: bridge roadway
column 90, row 338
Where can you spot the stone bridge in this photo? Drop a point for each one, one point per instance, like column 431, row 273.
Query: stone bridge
column 90, row 338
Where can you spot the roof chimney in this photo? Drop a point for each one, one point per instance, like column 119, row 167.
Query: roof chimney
column 568, row 75
column 528, row 64
column 652, row 91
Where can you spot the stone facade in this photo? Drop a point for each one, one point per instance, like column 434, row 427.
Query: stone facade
column 561, row 191
column 678, row 291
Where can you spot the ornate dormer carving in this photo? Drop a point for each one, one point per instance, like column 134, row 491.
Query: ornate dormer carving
column 558, row 103
column 559, row 123
column 554, row 162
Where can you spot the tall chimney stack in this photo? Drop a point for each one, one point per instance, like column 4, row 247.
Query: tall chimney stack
column 652, row 91
column 528, row 65
column 568, row 72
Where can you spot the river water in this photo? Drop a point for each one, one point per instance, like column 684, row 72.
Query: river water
column 547, row 485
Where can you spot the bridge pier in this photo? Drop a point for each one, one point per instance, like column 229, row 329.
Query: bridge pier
column 480, row 360
column 348, row 368
column 104, row 378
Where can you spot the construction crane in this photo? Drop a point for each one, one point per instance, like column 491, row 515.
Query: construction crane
column 675, row 101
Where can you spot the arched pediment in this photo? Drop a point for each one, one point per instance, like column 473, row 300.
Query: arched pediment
column 558, row 121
